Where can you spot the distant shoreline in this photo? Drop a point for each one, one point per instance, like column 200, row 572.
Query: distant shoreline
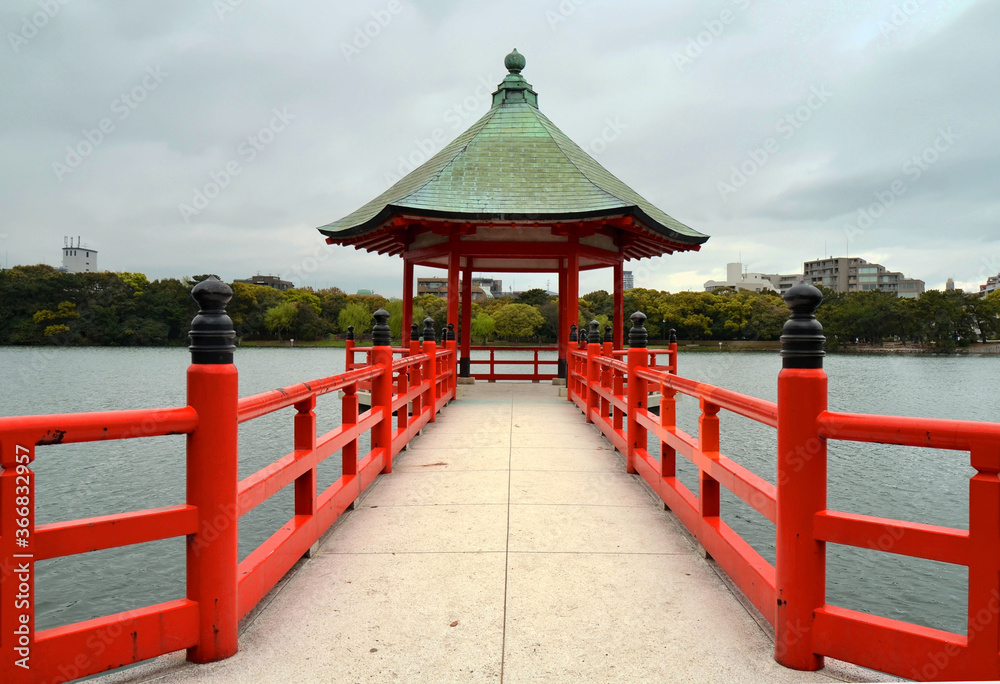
column 684, row 347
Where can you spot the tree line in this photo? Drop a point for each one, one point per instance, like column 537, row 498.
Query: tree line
column 42, row 305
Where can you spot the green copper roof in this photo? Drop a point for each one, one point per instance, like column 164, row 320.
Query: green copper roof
column 512, row 164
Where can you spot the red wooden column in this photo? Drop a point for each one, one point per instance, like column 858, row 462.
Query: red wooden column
column 407, row 300
column 562, row 336
column 453, row 287
column 573, row 289
column 572, row 298
column 465, row 329
column 619, row 304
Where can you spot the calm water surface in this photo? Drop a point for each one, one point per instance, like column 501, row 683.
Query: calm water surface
column 81, row 480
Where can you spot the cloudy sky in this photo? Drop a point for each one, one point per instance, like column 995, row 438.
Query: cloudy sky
column 190, row 137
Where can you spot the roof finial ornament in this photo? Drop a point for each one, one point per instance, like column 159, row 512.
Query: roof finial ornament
column 514, row 62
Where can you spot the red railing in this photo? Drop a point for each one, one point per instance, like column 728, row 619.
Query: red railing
column 535, row 363
column 219, row 590
column 791, row 595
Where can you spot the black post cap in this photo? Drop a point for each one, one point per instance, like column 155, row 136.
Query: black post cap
column 673, row 336
column 572, row 333
column 451, row 332
column 429, row 333
column 380, row 331
column 608, row 335
column 802, row 339
column 637, row 336
column 350, row 332
column 594, row 335
column 414, row 331
column 212, row 333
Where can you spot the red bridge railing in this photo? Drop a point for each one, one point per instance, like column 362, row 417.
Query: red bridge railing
column 537, row 369
column 220, row 590
column 791, row 594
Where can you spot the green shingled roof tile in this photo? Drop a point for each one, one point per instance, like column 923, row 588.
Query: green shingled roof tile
column 513, row 161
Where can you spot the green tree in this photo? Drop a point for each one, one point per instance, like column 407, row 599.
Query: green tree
column 395, row 309
column 435, row 307
column 483, row 326
column 533, row 297
column 985, row 314
column 281, row 317
column 357, row 315
column 249, row 305
column 517, row 321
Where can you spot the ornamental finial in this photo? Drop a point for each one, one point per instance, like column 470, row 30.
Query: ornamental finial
column 380, row 331
column 637, row 336
column 802, row 335
column 514, row 62
column 212, row 331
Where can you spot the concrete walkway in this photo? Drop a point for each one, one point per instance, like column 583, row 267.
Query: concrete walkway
column 508, row 545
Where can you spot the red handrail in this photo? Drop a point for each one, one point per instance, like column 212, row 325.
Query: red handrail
column 601, row 386
column 210, row 518
column 534, row 364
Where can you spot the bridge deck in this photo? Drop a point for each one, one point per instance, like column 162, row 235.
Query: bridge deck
column 508, row 545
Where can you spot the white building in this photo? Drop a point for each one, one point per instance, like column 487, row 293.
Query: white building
column 992, row 284
column 628, row 281
column 78, row 259
column 737, row 279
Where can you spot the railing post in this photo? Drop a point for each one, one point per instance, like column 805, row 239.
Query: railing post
column 617, row 389
column 349, row 349
column 430, row 367
column 382, row 387
column 402, row 387
column 349, row 418
column 672, row 351
column 801, row 489
column 213, row 474
column 638, row 356
column 668, row 419
column 571, row 387
column 609, row 341
column 708, row 443
column 305, row 441
column 414, row 339
column 453, row 364
column 593, row 369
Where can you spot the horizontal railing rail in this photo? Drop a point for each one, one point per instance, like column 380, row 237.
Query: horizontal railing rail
column 534, row 364
column 613, row 389
column 406, row 394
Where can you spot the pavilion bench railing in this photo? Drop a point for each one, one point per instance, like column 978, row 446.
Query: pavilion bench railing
column 535, row 364
column 791, row 595
column 220, row 590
